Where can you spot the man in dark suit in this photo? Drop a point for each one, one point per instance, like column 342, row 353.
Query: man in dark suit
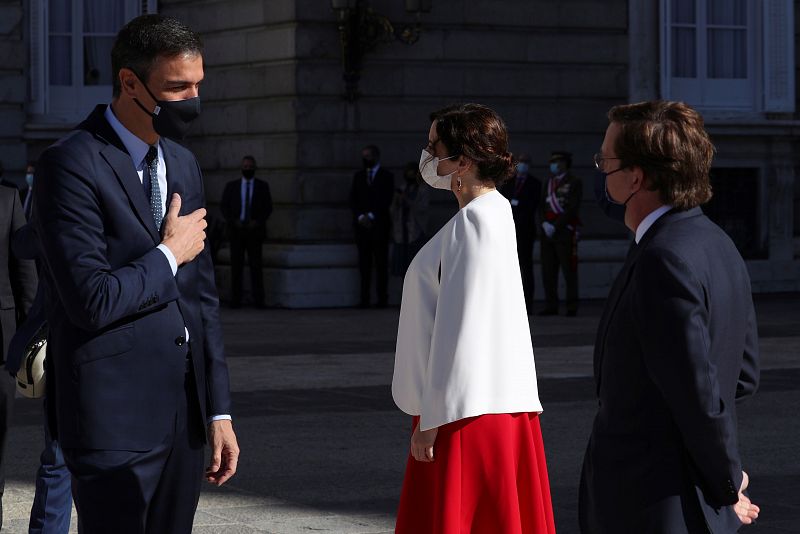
column 558, row 232
column 676, row 347
column 523, row 192
column 135, row 351
column 370, row 200
column 17, row 290
column 52, row 501
column 246, row 206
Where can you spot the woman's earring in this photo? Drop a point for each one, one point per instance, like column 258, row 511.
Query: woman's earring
column 458, row 181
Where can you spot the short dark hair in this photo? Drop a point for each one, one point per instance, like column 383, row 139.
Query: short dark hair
column 250, row 158
column 478, row 133
column 146, row 38
column 668, row 141
column 374, row 150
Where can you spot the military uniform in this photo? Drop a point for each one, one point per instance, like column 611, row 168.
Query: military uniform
column 560, row 200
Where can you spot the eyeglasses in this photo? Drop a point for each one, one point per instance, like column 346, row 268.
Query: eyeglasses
column 599, row 159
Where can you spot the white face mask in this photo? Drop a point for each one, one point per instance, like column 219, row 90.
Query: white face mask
column 428, row 166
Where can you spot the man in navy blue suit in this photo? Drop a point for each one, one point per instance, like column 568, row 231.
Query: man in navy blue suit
column 135, row 352
column 677, row 345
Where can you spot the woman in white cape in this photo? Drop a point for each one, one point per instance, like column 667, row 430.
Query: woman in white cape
column 464, row 366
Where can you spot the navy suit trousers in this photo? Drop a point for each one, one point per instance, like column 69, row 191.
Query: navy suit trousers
column 142, row 492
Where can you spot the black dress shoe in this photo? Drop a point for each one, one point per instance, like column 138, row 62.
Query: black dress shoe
column 548, row 311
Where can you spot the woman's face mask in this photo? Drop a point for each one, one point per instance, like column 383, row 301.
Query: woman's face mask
column 428, row 165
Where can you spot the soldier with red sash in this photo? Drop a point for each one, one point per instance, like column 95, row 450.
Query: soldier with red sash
column 558, row 232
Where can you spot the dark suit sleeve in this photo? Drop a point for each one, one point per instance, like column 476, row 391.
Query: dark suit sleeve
column 24, row 243
column 354, row 208
column 218, row 400
column 225, row 204
column 70, row 225
column 22, row 271
column 750, row 373
column 672, row 327
column 388, row 191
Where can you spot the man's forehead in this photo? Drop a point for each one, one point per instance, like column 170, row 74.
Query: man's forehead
column 180, row 66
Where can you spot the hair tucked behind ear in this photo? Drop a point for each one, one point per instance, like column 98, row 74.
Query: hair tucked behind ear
column 478, row 133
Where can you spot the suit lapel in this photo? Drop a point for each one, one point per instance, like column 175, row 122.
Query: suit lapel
column 175, row 179
column 120, row 162
column 617, row 290
column 122, row 166
column 621, row 283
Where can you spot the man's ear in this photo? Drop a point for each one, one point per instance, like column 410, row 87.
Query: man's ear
column 127, row 82
column 639, row 179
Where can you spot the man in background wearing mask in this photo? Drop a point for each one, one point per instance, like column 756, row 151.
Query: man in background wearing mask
column 558, row 231
column 370, row 199
column 246, row 206
column 136, row 370
column 523, row 192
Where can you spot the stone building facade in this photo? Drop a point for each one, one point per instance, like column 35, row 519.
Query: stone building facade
column 552, row 69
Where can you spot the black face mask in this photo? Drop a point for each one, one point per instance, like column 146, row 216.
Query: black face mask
column 612, row 209
column 368, row 163
column 248, row 173
column 172, row 118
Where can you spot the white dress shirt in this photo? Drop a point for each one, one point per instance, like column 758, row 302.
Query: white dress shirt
column 463, row 342
column 246, row 196
column 137, row 149
column 648, row 221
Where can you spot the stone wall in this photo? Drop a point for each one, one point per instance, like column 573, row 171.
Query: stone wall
column 274, row 89
column 13, row 89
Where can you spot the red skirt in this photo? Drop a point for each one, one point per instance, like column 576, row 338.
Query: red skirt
column 489, row 476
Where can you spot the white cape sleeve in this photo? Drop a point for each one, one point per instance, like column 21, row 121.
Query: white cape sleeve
column 481, row 355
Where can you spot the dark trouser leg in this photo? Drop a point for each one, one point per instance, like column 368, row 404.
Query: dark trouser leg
column 7, row 388
column 134, row 492
column 381, row 251
column 237, row 266
column 254, row 241
column 525, row 254
column 175, row 500
column 364, row 264
column 570, row 271
column 550, row 272
column 52, row 503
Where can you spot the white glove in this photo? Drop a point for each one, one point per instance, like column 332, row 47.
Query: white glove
column 549, row 229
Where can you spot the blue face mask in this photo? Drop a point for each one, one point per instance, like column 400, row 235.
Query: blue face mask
column 555, row 168
column 29, row 179
column 613, row 209
column 522, row 168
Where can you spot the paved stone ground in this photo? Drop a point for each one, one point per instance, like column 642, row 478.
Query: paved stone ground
column 323, row 446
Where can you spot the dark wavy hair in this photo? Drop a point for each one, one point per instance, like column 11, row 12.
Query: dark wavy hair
column 146, row 38
column 669, row 142
column 478, row 133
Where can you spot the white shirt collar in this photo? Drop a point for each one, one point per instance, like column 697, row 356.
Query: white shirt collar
column 648, row 221
column 135, row 146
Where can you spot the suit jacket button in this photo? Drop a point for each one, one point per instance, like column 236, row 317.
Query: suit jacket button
column 180, row 340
